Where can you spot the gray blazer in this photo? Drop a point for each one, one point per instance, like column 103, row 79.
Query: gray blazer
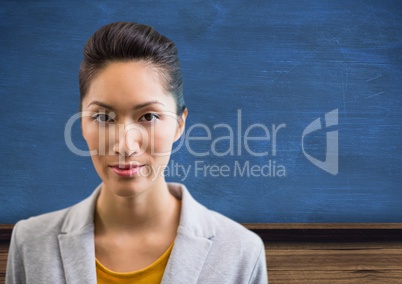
column 58, row 247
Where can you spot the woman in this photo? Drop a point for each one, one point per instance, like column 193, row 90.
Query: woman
column 135, row 227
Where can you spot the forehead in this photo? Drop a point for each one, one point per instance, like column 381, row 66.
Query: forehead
column 128, row 82
column 134, row 74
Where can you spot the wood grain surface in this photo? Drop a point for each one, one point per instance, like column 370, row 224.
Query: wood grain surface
column 334, row 262
column 319, row 258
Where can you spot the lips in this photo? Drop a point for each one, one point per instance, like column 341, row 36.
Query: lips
column 126, row 170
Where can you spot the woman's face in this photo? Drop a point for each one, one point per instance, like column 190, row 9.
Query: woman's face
column 129, row 123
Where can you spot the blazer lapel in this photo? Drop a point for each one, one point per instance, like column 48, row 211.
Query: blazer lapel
column 78, row 255
column 76, row 241
column 187, row 258
column 192, row 244
column 193, row 241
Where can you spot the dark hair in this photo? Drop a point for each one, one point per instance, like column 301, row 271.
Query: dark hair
column 124, row 41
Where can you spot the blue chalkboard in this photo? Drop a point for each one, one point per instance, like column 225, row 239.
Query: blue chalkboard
column 297, row 105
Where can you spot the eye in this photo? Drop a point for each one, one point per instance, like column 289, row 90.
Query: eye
column 103, row 117
column 149, row 117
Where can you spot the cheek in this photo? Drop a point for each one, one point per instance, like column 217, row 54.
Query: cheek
column 98, row 138
column 90, row 135
column 97, row 144
column 162, row 140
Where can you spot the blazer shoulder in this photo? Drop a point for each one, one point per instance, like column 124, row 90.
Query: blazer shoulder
column 230, row 230
column 244, row 248
column 52, row 224
column 41, row 226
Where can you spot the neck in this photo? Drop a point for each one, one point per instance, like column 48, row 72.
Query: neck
column 151, row 210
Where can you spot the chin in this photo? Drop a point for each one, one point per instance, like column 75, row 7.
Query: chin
column 128, row 187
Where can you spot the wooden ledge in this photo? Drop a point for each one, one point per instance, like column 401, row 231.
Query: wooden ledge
column 325, row 226
column 319, row 232
column 5, row 232
column 314, row 232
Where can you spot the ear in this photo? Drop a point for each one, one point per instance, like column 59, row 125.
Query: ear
column 181, row 126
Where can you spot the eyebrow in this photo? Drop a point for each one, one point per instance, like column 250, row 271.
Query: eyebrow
column 136, row 107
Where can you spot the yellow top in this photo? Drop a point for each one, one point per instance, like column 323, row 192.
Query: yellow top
column 153, row 273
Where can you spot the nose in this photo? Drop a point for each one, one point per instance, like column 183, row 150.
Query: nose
column 130, row 139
